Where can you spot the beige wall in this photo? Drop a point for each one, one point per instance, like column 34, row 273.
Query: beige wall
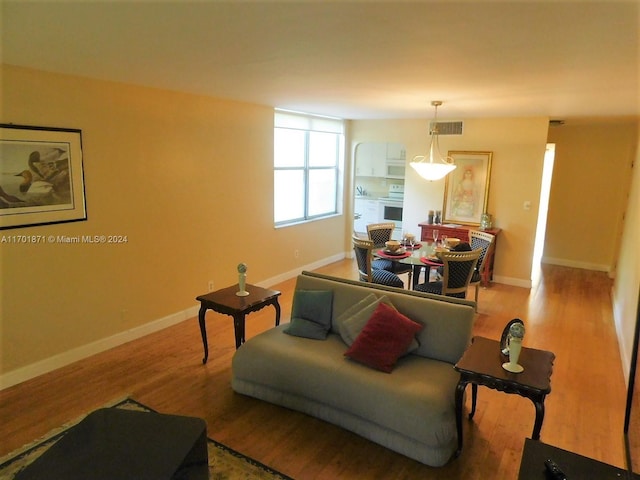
column 518, row 146
column 188, row 179
column 591, row 179
column 627, row 281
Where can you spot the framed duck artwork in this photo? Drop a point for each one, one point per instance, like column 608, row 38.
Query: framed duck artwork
column 41, row 176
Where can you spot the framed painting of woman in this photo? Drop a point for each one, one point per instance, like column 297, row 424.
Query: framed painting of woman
column 466, row 191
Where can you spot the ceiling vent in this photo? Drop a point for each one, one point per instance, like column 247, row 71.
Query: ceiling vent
column 448, row 128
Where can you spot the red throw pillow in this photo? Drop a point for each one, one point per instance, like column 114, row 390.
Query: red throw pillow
column 384, row 338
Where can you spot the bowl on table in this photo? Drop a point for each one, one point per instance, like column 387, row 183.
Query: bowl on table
column 452, row 242
column 409, row 238
column 392, row 245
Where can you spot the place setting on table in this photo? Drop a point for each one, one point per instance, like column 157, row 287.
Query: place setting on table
column 440, row 244
column 411, row 252
column 430, row 256
column 398, row 250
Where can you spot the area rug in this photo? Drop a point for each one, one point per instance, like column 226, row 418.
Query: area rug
column 224, row 462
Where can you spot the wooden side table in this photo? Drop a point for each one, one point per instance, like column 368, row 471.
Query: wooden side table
column 227, row 302
column 481, row 364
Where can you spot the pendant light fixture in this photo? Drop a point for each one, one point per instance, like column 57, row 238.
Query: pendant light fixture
column 436, row 166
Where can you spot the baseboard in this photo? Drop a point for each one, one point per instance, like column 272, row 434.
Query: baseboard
column 63, row 359
column 600, row 267
column 516, row 282
column 527, row 283
column 295, row 272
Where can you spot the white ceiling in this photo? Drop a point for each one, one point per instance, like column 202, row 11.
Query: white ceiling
column 356, row 59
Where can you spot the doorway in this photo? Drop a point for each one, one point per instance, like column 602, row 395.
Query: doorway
column 541, row 228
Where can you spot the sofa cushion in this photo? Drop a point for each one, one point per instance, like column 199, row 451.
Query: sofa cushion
column 311, row 314
column 386, row 336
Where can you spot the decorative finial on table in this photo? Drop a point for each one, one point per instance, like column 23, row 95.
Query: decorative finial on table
column 242, row 280
column 516, row 334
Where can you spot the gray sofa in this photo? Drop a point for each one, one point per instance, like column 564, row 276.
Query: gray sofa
column 410, row 410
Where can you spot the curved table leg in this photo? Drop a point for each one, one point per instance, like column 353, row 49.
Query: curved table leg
column 459, row 399
column 277, row 307
column 203, row 332
column 474, row 397
column 537, row 426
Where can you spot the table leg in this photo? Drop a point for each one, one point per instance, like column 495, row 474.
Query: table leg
column 416, row 276
column 238, row 327
column 474, row 397
column 277, row 307
column 203, row 332
column 462, row 384
column 537, row 426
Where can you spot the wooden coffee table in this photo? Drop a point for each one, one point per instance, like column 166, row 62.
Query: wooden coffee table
column 481, row 364
column 227, row 302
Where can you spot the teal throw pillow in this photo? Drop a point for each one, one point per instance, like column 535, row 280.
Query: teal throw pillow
column 311, row 314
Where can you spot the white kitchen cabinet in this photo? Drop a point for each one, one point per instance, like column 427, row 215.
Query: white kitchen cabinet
column 371, row 160
column 396, row 151
column 366, row 212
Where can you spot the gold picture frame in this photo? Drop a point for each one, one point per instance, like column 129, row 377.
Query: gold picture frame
column 466, row 191
column 42, row 177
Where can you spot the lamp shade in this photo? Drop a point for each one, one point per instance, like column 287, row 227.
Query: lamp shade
column 431, row 170
column 437, row 166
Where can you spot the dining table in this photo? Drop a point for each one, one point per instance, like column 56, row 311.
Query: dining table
column 419, row 256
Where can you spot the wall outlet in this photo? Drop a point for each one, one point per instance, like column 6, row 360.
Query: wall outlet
column 210, row 286
column 296, row 253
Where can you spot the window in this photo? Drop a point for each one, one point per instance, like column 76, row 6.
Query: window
column 308, row 152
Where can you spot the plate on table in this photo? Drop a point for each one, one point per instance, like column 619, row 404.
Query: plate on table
column 400, row 251
column 416, row 246
column 432, row 258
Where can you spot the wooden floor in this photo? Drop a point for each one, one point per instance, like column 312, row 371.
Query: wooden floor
column 569, row 313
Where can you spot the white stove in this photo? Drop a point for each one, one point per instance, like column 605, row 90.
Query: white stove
column 396, row 192
column 390, row 208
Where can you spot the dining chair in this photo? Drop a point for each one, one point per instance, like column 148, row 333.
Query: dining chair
column 363, row 250
column 484, row 241
column 379, row 234
column 457, row 271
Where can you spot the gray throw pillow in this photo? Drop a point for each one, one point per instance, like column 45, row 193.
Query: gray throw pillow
column 354, row 319
column 311, row 314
